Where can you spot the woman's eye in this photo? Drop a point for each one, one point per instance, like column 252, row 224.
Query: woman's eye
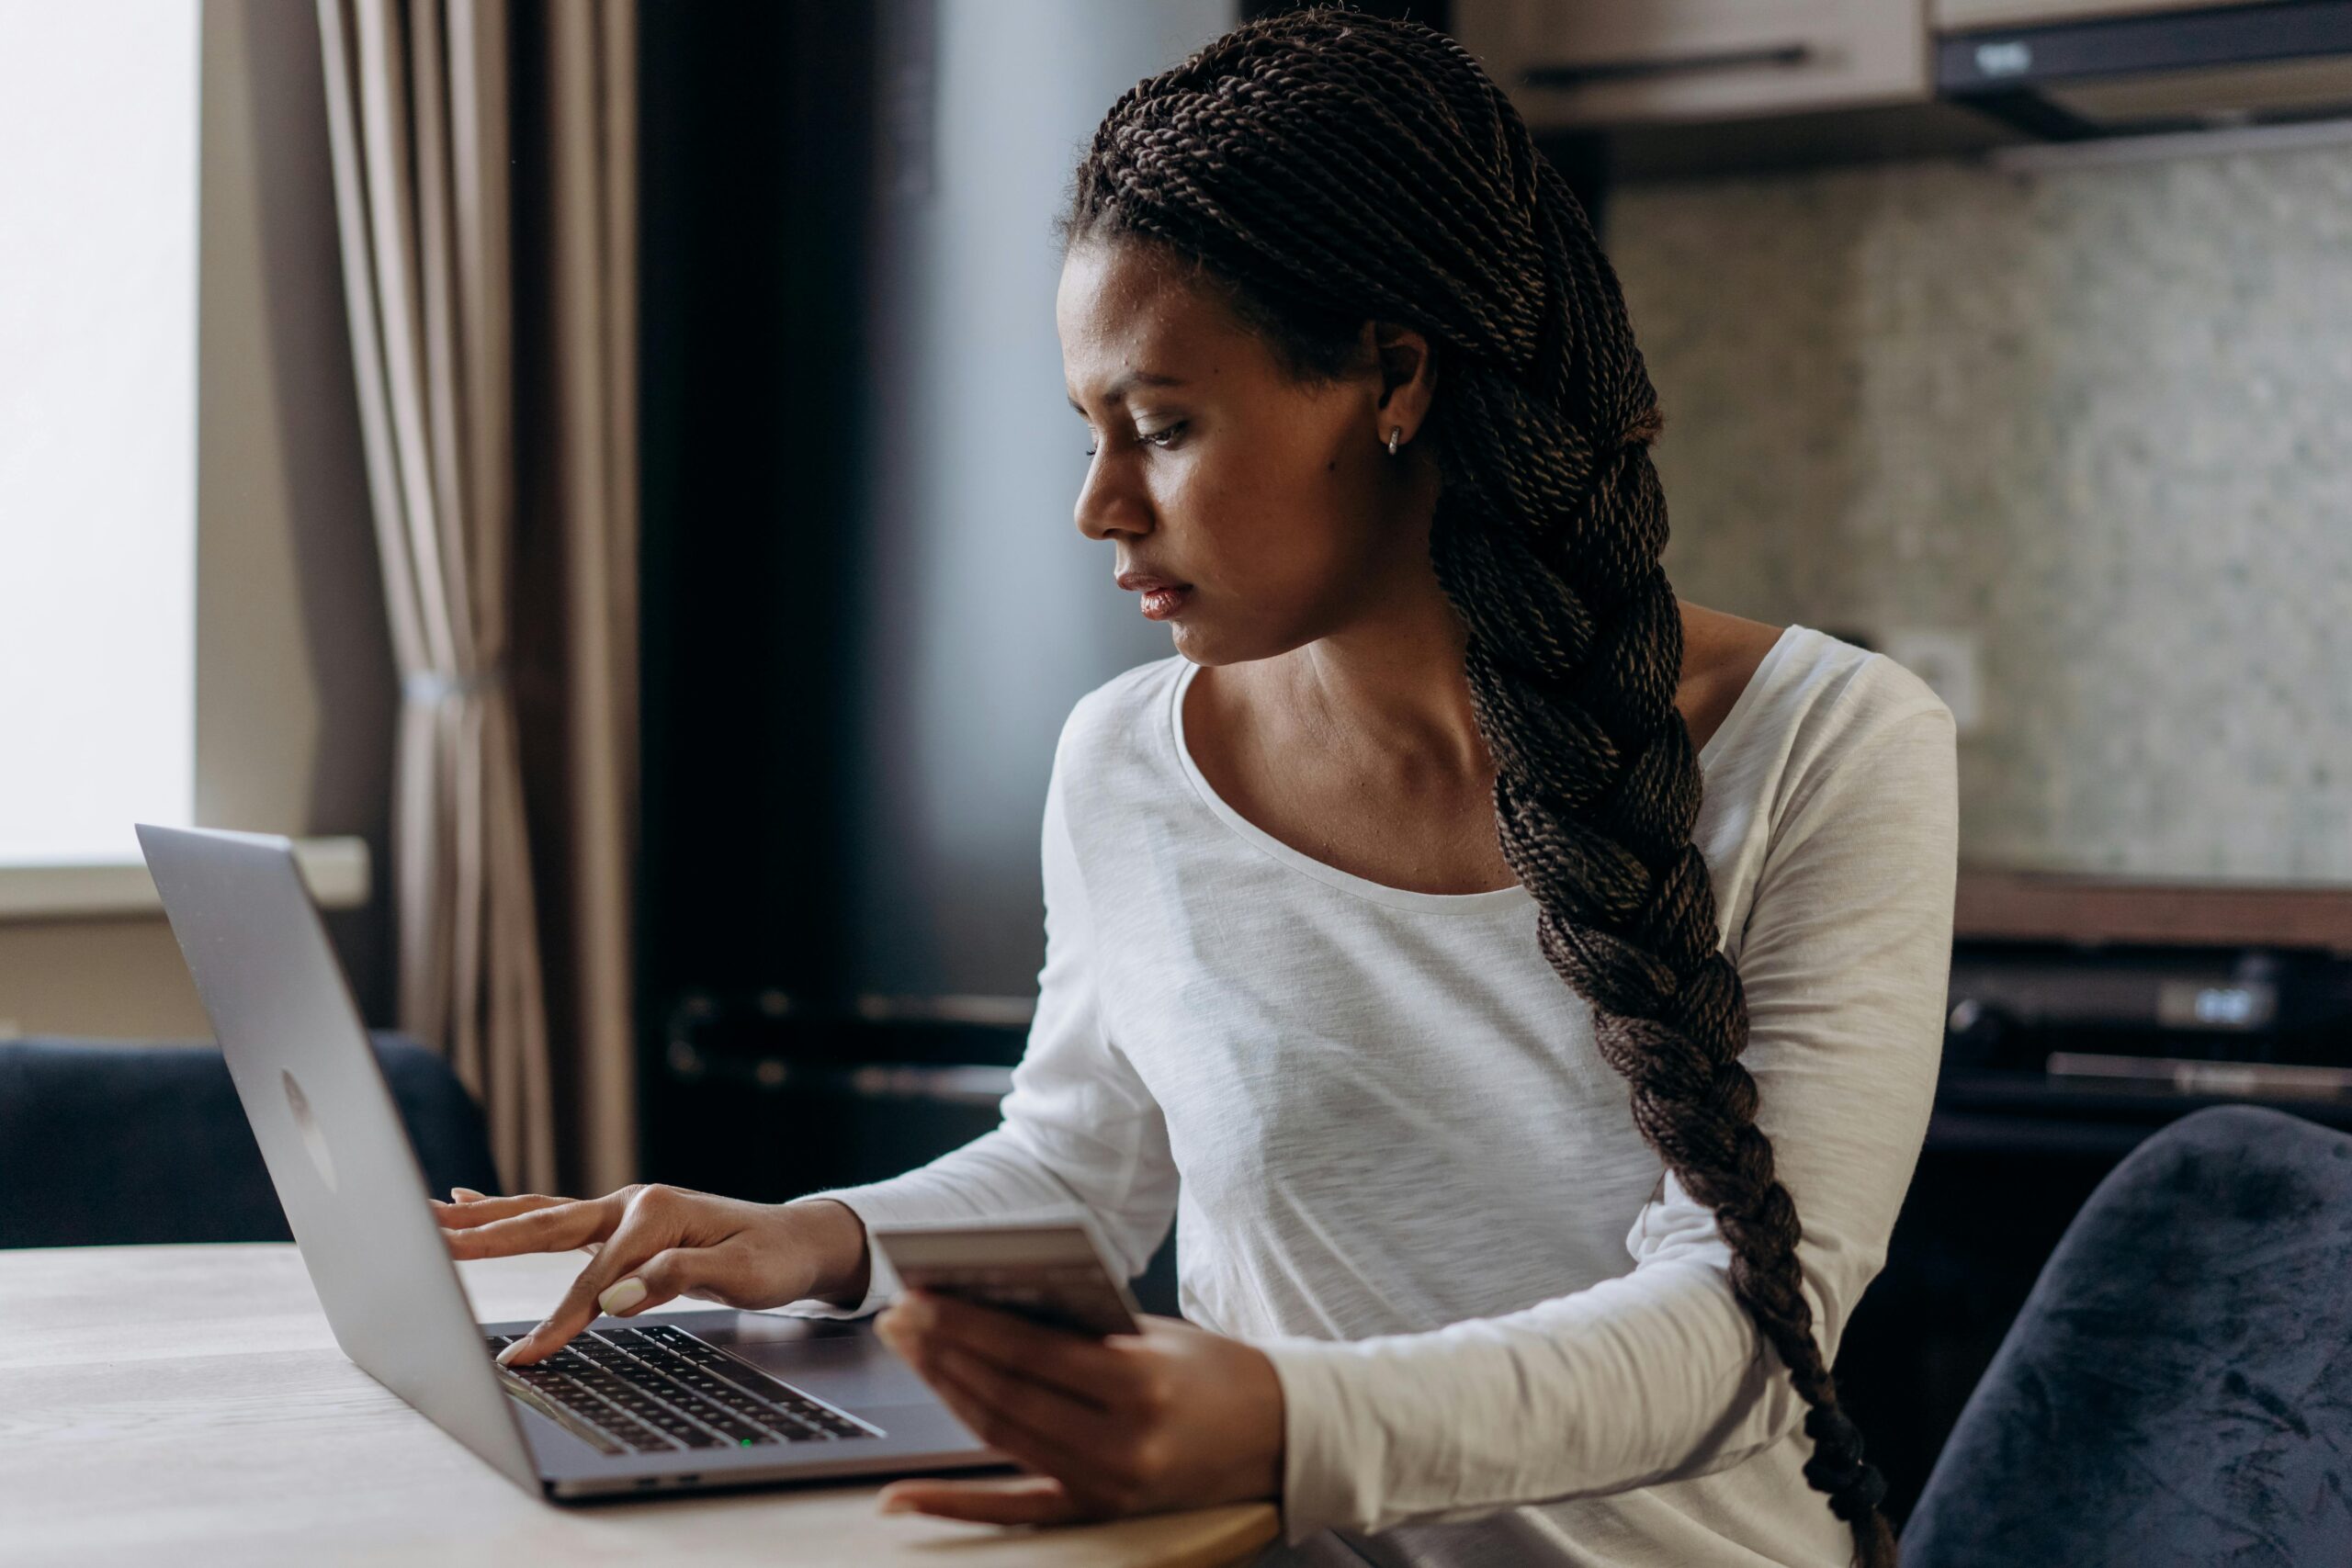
column 1163, row 439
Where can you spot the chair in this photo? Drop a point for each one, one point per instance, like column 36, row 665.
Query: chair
column 2177, row 1388
column 104, row 1143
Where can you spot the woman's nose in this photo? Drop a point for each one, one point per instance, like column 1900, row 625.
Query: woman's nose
column 1109, row 503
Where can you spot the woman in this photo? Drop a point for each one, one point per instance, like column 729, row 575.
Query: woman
column 1366, row 907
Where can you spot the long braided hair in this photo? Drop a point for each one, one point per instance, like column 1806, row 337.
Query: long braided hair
column 1325, row 167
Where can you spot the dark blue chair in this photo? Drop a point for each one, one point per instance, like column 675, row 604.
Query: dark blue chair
column 104, row 1143
column 2177, row 1388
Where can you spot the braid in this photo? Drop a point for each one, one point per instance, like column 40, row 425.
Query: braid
column 1329, row 167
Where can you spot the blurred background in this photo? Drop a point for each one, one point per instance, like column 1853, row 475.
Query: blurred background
column 596, row 476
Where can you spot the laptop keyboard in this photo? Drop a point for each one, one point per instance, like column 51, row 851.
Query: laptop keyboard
column 659, row 1389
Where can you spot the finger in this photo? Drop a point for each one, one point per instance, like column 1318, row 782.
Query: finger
column 1016, row 1500
column 466, row 1195
column 1040, row 1451
column 556, row 1229
column 461, row 1213
column 660, row 1279
column 1091, row 1370
column 1045, row 1408
column 482, row 1211
column 633, row 1243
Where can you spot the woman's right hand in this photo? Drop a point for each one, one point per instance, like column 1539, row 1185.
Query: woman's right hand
column 655, row 1242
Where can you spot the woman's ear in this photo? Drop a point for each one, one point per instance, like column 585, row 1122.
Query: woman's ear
column 1408, row 376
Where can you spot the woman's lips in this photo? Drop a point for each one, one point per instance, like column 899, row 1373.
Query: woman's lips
column 1161, row 598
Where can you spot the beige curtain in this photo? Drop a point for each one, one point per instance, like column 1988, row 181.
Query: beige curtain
column 485, row 170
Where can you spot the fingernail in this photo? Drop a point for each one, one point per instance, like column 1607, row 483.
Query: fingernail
column 507, row 1355
column 618, row 1299
column 896, row 1506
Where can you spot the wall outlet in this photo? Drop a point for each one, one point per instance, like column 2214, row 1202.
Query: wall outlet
column 1946, row 660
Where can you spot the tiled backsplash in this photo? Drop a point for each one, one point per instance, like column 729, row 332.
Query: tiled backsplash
column 2102, row 419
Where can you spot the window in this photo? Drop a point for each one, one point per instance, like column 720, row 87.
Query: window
column 99, row 149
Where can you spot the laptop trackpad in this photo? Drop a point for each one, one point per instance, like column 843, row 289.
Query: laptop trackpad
column 848, row 1367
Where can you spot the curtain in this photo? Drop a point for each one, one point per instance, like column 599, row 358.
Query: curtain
column 484, row 155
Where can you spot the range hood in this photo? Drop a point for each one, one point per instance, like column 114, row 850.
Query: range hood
column 2168, row 71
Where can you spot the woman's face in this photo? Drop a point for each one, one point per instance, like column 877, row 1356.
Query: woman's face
column 1273, row 502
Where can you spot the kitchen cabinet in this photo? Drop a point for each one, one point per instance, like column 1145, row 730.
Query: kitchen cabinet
column 1596, row 62
column 1967, row 15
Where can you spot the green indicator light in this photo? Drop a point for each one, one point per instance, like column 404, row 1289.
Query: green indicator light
column 747, row 1442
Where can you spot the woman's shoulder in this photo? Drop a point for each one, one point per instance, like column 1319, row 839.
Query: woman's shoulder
column 1834, row 721
column 1121, row 717
column 1836, row 750
column 1774, row 679
column 1841, row 694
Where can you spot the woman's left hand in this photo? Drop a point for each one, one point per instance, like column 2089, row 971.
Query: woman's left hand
column 1173, row 1418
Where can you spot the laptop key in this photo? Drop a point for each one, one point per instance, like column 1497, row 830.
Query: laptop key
column 700, row 1409
column 657, row 1389
column 607, row 1419
column 796, row 1422
column 657, row 1366
column 560, row 1406
column 626, row 1417
column 741, row 1420
column 716, row 1362
column 643, row 1394
column 688, row 1432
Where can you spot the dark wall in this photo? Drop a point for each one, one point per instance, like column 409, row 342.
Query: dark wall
column 866, row 612
column 754, row 152
column 755, row 148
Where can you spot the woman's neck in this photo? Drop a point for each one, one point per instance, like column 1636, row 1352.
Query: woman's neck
column 1393, row 684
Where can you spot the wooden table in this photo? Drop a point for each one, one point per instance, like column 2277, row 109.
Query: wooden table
column 187, row 1405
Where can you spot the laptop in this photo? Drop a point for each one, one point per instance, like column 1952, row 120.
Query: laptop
column 662, row 1402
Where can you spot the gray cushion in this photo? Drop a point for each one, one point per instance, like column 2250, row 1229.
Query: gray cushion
column 2177, row 1388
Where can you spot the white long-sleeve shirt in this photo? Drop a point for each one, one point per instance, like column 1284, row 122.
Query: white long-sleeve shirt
column 1398, row 1164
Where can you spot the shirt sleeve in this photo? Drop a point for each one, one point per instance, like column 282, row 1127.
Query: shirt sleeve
column 1659, row 1374
column 1081, row 1131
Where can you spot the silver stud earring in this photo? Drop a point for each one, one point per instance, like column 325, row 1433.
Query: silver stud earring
column 1394, row 432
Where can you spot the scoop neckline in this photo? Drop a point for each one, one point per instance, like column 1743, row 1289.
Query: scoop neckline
column 1492, row 898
